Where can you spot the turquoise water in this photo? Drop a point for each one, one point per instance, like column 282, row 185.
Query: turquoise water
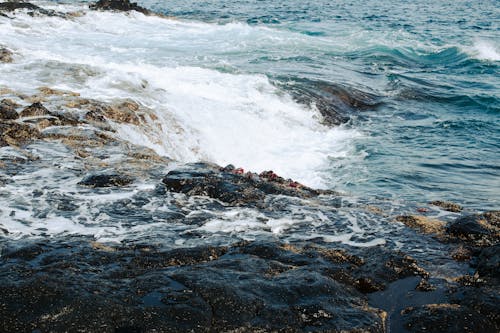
column 433, row 65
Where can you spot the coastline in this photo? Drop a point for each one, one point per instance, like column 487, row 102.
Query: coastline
column 431, row 267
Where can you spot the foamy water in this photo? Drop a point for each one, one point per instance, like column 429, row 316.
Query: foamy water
column 487, row 50
column 209, row 86
column 203, row 114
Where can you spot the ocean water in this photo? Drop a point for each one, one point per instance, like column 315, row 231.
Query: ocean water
column 222, row 78
column 435, row 66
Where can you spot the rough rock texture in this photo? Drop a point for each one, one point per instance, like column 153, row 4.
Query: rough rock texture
column 449, row 206
column 478, row 230
column 488, row 263
column 16, row 134
column 5, row 54
column 11, row 6
column 34, row 110
column 119, row 5
column 232, row 185
column 423, row 224
column 105, row 180
column 8, row 110
column 446, row 318
column 53, row 286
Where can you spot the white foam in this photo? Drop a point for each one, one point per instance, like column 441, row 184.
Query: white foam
column 203, row 114
column 486, row 50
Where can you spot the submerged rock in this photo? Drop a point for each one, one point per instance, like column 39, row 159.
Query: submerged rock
column 119, row 5
column 448, row 206
column 232, row 185
column 105, row 180
column 334, row 101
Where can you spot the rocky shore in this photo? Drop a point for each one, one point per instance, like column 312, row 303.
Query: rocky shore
column 81, row 283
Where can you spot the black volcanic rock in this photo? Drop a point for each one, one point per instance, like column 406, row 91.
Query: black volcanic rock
column 11, row 6
column 446, row 318
column 488, row 262
column 105, row 180
column 231, row 185
column 61, row 286
column 479, row 229
column 119, row 5
column 334, row 101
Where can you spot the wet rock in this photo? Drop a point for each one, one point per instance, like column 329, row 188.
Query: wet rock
column 15, row 134
column 8, row 110
column 60, row 286
column 105, row 180
column 6, row 54
column 461, row 253
column 448, row 206
column 125, row 112
column 423, row 224
column 11, row 6
column 232, row 185
column 47, row 91
column 119, row 5
column 488, row 263
column 479, row 229
column 382, row 267
column 424, row 285
column 35, row 110
column 335, row 102
column 446, row 318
